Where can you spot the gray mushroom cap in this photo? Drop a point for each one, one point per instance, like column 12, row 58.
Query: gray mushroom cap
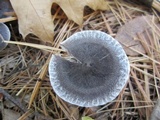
column 98, row 73
column 4, row 35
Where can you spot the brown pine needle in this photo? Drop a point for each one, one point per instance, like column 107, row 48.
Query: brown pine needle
column 156, row 5
column 42, row 47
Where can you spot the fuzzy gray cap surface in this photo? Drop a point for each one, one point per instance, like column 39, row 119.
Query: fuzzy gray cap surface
column 97, row 74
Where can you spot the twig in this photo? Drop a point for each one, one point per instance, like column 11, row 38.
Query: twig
column 9, row 19
column 42, row 47
column 17, row 102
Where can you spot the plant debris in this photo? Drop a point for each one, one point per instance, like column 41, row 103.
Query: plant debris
column 128, row 34
column 156, row 111
column 36, row 18
column 31, row 84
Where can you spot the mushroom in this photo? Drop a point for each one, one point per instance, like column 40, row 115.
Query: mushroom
column 4, row 35
column 95, row 75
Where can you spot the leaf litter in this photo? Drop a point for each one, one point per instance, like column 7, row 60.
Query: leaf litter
column 136, row 100
column 35, row 17
column 128, row 33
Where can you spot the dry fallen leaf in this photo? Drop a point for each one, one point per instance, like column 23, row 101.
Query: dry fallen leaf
column 10, row 115
column 34, row 16
column 156, row 111
column 127, row 34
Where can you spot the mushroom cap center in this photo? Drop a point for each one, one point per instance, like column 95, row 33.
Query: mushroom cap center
column 95, row 67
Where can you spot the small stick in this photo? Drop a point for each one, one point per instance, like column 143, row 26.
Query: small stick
column 156, row 5
column 17, row 102
column 42, row 47
column 9, row 19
